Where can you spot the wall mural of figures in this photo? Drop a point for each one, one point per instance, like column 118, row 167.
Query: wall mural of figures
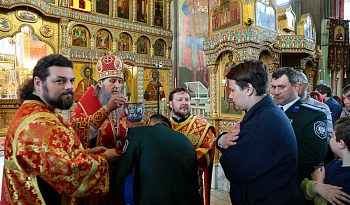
column 143, row 45
column 265, row 15
column 158, row 12
column 339, row 33
column 227, row 62
column 103, row 38
column 159, row 48
column 124, row 42
column 151, row 84
column 228, row 14
column 142, row 8
column 80, row 36
column 102, row 6
column 193, row 28
column 86, row 75
column 123, row 9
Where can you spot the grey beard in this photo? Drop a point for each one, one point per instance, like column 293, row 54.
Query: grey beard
column 117, row 113
column 303, row 96
column 104, row 97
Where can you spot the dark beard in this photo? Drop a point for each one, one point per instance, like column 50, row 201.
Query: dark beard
column 58, row 102
column 181, row 114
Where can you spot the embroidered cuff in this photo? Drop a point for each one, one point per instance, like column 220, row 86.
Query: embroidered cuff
column 99, row 117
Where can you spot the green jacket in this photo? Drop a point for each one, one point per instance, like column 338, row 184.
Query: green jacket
column 308, row 188
column 165, row 167
column 310, row 127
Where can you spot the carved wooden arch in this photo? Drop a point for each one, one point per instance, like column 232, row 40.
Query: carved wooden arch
column 118, row 33
column 105, row 28
column 54, row 49
column 304, row 62
column 165, row 44
column 140, row 35
column 70, row 28
column 159, row 38
column 267, row 48
column 229, row 48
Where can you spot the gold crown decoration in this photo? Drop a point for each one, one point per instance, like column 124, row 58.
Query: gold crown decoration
column 110, row 66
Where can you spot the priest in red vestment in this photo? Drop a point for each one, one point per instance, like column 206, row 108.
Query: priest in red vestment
column 99, row 115
column 45, row 162
column 198, row 131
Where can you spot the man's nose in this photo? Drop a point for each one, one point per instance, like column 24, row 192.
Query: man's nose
column 185, row 101
column 276, row 91
column 69, row 85
column 117, row 84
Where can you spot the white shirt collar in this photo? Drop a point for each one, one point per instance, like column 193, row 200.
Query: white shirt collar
column 287, row 106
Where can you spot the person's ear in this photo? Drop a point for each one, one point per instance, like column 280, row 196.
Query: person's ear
column 37, row 83
column 341, row 144
column 296, row 86
column 250, row 89
column 307, row 86
column 171, row 104
column 149, row 122
column 100, row 83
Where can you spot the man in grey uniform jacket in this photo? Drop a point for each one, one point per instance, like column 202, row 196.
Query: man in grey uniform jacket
column 165, row 165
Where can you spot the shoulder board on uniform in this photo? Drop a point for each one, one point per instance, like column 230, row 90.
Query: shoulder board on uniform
column 311, row 107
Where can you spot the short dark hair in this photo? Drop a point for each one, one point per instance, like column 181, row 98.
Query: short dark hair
column 177, row 90
column 254, row 72
column 160, row 119
column 342, row 130
column 42, row 71
column 292, row 75
column 346, row 89
column 324, row 89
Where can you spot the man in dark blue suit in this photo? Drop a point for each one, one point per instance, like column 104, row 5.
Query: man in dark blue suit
column 261, row 164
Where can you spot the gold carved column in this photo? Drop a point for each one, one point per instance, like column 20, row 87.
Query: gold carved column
column 134, row 10
column 151, row 12
column 64, row 40
column 167, row 15
column 214, row 90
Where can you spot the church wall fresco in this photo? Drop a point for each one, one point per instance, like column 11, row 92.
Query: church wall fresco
column 151, row 84
column 193, row 29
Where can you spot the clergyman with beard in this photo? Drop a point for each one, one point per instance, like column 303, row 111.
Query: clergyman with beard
column 99, row 115
column 199, row 132
column 44, row 160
